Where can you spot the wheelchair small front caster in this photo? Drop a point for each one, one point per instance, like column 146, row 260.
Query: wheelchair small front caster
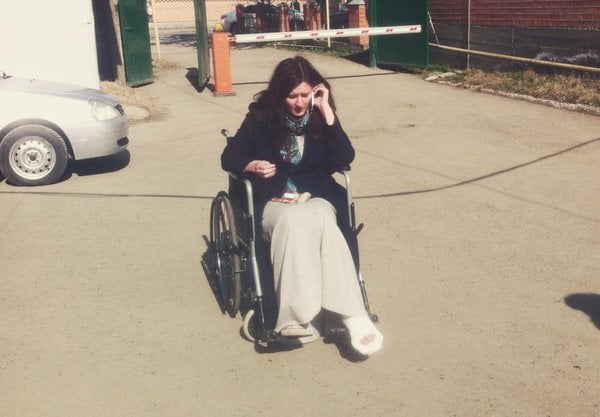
column 249, row 328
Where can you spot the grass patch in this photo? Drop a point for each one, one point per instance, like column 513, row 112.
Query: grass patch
column 136, row 96
column 565, row 88
column 160, row 66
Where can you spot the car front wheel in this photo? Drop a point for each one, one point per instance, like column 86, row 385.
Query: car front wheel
column 33, row 155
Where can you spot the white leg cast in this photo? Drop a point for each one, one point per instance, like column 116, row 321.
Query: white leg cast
column 364, row 336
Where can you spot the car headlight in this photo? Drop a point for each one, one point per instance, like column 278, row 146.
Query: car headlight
column 102, row 110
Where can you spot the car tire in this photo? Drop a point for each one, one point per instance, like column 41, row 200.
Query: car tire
column 33, row 155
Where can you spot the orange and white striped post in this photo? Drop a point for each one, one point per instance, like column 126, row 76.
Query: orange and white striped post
column 221, row 64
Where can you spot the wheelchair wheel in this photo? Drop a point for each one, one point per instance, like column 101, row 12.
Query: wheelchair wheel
column 225, row 253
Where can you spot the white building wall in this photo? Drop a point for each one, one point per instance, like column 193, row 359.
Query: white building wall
column 50, row 40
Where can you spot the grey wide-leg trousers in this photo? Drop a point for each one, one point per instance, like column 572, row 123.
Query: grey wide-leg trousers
column 312, row 264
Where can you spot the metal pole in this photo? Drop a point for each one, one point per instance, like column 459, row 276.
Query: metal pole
column 327, row 23
column 202, row 47
column 156, row 35
column 518, row 59
column 373, row 21
column 469, row 34
column 433, row 28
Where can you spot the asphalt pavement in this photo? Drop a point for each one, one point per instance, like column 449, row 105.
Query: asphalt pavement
column 480, row 252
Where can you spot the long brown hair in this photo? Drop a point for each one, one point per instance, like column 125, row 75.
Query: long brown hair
column 271, row 109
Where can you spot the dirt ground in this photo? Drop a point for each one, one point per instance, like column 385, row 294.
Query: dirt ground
column 481, row 254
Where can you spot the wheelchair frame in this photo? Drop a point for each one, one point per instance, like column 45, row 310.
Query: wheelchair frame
column 234, row 253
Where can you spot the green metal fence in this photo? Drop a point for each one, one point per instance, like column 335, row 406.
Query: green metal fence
column 135, row 37
column 400, row 50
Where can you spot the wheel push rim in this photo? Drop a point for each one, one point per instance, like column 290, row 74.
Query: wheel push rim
column 225, row 262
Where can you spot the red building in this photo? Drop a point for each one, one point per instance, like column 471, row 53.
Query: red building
column 554, row 30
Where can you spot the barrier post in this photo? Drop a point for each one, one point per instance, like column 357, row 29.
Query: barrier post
column 357, row 18
column 221, row 64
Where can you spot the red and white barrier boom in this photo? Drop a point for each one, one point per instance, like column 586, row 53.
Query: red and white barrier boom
column 319, row 34
column 221, row 40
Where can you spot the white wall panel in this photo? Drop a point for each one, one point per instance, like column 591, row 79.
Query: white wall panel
column 51, row 40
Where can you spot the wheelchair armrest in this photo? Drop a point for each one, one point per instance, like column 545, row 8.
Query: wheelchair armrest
column 227, row 135
column 232, row 175
column 248, row 186
column 345, row 172
column 249, row 195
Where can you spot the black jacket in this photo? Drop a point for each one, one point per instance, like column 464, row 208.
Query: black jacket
column 313, row 174
column 320, row 159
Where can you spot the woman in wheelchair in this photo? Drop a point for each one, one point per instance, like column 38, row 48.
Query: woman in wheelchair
column 288, row 146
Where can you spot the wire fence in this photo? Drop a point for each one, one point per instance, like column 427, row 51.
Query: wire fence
column 251, row 17
column 182, row 11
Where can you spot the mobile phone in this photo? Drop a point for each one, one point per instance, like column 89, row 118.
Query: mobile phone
column 312, row 100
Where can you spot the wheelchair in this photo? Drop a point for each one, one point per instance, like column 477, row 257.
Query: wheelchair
column 240, row 264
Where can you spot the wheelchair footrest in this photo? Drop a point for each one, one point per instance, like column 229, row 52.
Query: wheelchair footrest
column 333, row 326
column 335, row 331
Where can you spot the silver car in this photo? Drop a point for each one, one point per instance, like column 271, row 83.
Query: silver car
column 44, row 124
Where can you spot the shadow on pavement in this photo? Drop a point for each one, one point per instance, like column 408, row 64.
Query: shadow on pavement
column 208, row 268
column 183, row 39
column 102, row 165
column 589, row 303
column 192, row 77
column 485, row 176
column 91, row 166
column 335, row 77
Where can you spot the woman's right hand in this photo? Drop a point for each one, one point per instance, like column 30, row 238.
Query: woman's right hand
column 263, row 169
column 321, row 100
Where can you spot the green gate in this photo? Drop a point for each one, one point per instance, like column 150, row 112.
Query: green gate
column 135, row 38
column 401, row 50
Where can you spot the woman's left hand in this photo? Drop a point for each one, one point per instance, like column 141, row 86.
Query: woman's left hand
column 263, row 169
